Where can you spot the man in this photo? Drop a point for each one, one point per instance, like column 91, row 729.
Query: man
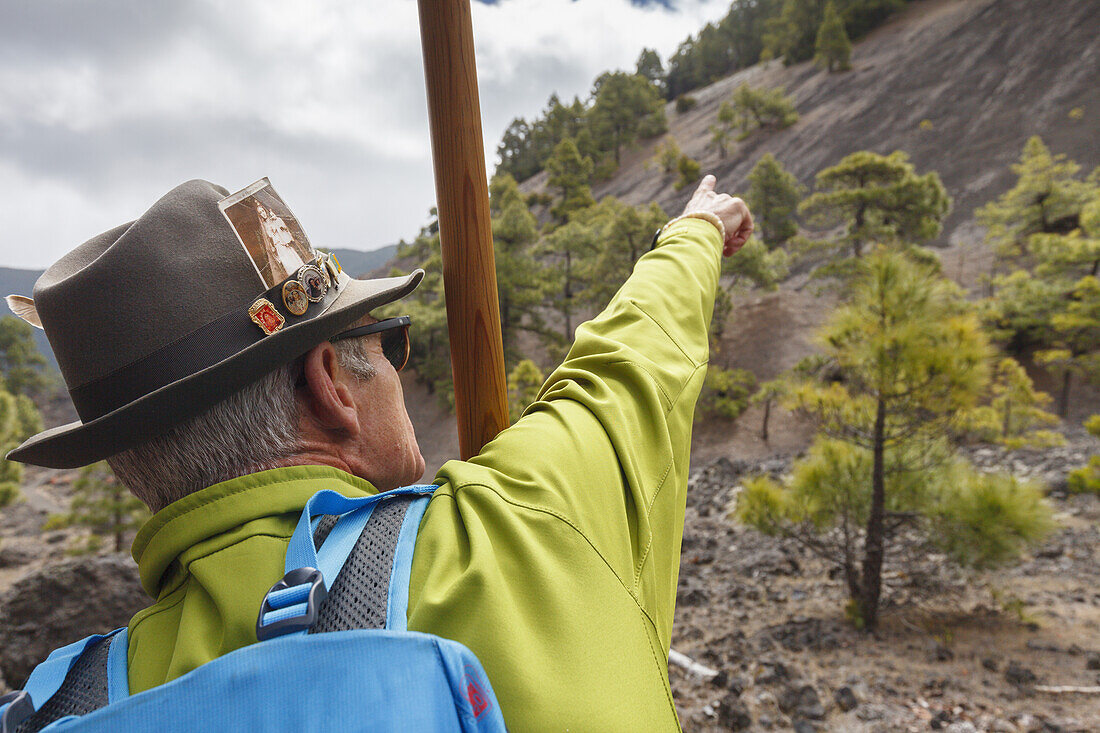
column 553, row 554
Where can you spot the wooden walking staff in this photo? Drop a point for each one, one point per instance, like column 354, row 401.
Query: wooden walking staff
column 462, row 194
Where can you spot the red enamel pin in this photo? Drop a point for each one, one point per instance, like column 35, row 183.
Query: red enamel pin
column 264, row 315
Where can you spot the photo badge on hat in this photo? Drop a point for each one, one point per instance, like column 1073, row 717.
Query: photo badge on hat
column 269, row 233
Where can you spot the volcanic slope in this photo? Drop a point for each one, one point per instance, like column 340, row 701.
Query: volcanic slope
column 959, row 85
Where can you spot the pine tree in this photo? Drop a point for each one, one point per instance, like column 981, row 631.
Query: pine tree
column 430, row 354
column 21, row 363
column 1013, row 413
column 1046, row 231
column 762, row 109
column 667, row 154
column 755, row 265
column 569, row 176
column 625, row 233
column 833, row 48
column 877, row 198
column 721, row 133
column 1076, row 338
column 571, row 249
column 521, row 282
column 725, row 392
column 516, row 153
column 1047, row 199
column 19, row 419
column 524, row 383
column 790, row 35
column 773, row 199
column 1087, row 478
column 689, row 170
column 906, row 359
column 103, row 505
column 624, row 108
column 649, row 67
column 769, row 393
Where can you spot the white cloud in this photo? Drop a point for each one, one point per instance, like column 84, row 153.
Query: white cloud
column 325, row 98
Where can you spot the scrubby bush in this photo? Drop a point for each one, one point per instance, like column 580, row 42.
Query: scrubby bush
column 689, row 169
column 685, row 103
column 726, row 392
column 1086, row 479
column 524, row 383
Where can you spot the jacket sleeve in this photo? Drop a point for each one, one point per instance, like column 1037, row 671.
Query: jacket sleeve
column 605, row 448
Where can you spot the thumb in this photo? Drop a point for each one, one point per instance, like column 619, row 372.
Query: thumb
column 707, row 184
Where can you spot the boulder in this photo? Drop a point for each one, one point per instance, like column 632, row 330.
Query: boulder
column 846, row 699
column 62, row 603
column 1019, row 675
column 801, row 700
column 733, row 713
column 13, row 556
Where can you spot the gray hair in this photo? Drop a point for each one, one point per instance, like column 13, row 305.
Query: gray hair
column 251, row 430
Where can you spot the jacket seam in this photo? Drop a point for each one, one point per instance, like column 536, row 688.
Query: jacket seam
column 685, row 383
column 673, row 339
column 648, row 511
column 563, row 519
column 663, row 672
column 656, row 382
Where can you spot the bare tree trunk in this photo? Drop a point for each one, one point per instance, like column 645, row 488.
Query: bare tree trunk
column 767, row 414
column 1063, row 398
column 874, row 543
column 568, row 296
column 118, row 531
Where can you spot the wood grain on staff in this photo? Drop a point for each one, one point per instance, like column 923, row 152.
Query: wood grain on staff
column 462, row 193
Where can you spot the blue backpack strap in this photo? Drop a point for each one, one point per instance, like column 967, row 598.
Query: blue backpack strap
column 118, row 672
column 397, row 605
column 45, row 681
column 292, row 604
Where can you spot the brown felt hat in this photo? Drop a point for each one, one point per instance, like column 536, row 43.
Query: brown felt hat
column 155, row 321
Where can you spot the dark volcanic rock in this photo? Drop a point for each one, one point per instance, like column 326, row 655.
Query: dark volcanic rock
column 768, row 561
column 770, row 671
column 801, row 700
column 727, row 680
column 733, row 713
column 806, row 633
column 846, row 699
column 1019, row 675
column 691, row 595
column 62, row 603
column 12, row 557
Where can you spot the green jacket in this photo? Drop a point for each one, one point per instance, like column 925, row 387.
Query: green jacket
column 553, row 554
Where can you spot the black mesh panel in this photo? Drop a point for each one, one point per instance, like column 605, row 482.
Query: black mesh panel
column 357, row 600
column 83, row 691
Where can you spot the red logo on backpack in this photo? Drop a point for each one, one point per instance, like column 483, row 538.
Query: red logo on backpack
column 479, row 701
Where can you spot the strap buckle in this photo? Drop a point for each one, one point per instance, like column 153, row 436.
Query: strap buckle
column 292, row 604
column 19, row 708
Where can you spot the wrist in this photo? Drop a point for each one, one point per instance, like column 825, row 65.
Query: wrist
column 707, row 216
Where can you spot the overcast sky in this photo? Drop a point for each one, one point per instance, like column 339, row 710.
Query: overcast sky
column 107, row 105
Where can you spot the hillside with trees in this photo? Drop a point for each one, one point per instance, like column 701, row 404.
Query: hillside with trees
column 893, row 519
column 905, row 359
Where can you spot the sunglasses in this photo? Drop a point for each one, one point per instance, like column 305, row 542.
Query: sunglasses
column 395, row 338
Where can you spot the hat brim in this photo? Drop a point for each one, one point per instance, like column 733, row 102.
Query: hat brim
column 78, row 443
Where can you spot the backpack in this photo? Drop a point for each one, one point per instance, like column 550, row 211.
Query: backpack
column 384, row 678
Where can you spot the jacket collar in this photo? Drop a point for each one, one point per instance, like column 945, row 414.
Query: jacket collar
column 199, row 518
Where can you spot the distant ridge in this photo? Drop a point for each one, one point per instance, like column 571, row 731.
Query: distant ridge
column 21, row 282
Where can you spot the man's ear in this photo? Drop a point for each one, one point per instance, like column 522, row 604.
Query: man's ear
column 326, row 394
